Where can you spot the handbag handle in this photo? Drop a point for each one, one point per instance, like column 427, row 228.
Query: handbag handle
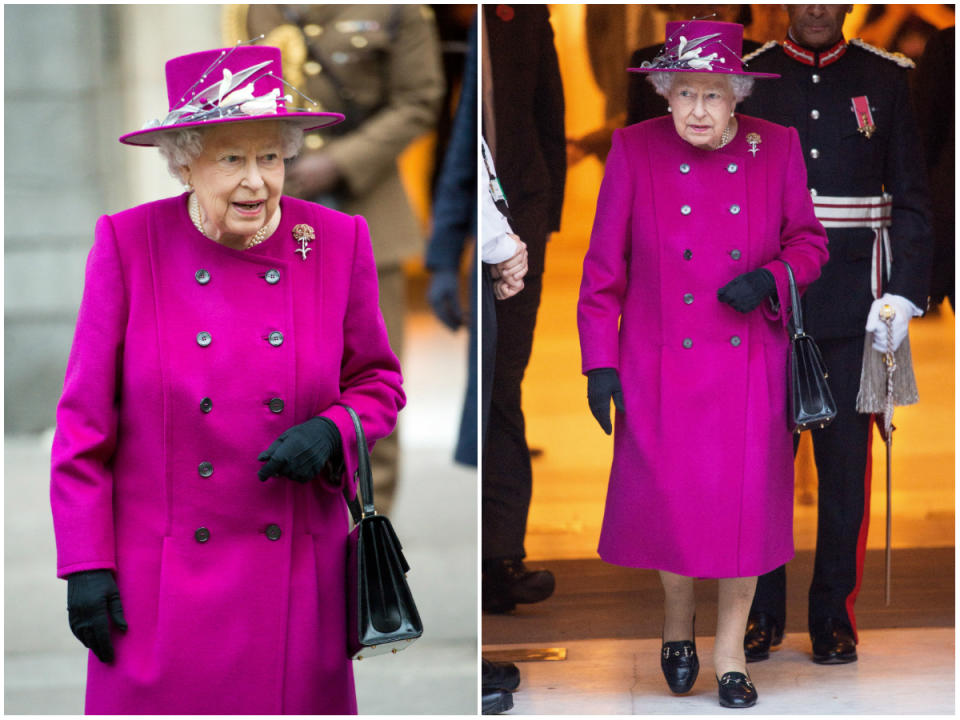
column 363, row 475
column 797, row 317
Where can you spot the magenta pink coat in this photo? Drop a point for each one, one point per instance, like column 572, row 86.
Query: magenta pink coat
column 702, row 476
column 245, row 622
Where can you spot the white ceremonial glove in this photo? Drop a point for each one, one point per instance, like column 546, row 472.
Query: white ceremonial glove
column 903, row 309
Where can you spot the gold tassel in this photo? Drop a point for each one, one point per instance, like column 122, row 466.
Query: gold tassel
column 872, row 397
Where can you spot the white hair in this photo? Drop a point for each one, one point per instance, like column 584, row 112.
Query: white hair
column 182, row 147
column 740, row 85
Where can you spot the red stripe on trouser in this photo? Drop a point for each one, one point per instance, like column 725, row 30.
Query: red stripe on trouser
column 862, row 539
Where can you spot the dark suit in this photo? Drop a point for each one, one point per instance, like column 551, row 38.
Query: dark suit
column 816, row 99
column 529, row 147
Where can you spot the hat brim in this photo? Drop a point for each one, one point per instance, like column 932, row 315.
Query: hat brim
column 709, row 72
column 305, row 120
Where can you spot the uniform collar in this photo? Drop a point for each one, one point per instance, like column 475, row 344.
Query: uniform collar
column 812, row 57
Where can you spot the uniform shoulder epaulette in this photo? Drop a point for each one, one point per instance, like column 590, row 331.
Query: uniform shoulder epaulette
column 759, row 50
column 899, row 58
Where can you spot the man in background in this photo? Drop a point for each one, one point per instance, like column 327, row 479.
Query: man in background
column 523, row 125
column 850, row 104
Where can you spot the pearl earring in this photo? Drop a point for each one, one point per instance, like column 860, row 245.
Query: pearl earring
column 669, row 109
column 732, row 113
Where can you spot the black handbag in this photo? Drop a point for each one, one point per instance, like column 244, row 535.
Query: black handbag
column 381, row 614
column 811, row 402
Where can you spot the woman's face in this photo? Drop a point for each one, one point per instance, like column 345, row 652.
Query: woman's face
column 238, row 178
column 701, row 104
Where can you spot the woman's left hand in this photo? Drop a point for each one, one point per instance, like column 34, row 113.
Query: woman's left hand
column 301, row 452
column 745, row 292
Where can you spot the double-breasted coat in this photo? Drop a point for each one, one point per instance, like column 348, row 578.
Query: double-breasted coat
column 704, row 438
column 189, row 359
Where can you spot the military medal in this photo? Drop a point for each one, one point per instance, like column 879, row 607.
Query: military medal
column 303, row 234
column 753, row 139
column 861, row 108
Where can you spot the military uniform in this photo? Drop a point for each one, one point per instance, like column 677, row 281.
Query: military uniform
column 380, row 66
column 865, row 173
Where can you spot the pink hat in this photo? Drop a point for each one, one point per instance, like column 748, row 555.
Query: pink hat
column 237, row 84
column 701, row 46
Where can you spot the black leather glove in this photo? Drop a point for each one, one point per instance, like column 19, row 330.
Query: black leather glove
column 301, row 452
column 602, row 385
column 746, row 291
column 444, row 297
column 92, row 598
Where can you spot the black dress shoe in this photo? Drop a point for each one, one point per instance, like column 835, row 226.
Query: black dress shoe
column 507, row 582
column 496, row 701
column 502, row 675
column 736, row 691
column 833, row 642
column 680, row 664
column 762, row 634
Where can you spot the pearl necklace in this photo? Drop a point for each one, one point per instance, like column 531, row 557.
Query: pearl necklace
column 725, row 137
column 261, row 234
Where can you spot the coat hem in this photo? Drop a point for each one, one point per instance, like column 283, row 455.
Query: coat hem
column 700, row 574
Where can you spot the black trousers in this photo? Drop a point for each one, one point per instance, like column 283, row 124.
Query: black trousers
column 842, row 454
column 507, row 477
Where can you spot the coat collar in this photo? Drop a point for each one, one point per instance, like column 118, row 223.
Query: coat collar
column 812, row 57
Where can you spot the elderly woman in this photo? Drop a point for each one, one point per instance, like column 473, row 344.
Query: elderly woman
column 682, row 316
column 220, row 335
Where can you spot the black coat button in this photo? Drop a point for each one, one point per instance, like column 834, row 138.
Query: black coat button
column 735, row 254
column 275, row 338
column 201, row 535
column 273, row 532
column 206, row 405
column 272, row 276
column 687, row 254
column 687, row 343
column 205, row 469
column 276, row 405
column 202, row 276
column 688, row 298
column 204, row 339
column 735, row 341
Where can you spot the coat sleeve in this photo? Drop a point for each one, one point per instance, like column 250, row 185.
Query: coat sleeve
column 370, row 379
column 81, row 477
column 604, row 281
column 911, row 236
column 416, row 87
column 803, row 241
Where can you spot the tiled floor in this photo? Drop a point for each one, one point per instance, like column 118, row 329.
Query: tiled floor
column 899, row 672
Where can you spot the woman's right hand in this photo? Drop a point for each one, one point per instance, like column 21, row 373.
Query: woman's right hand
column 92, row 601
column 602, row 385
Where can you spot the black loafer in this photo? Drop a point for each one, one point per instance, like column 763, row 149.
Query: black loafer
column 496, row 701
column 833, row 642
column 502, row 675
column 507, row 582
column 680, row 664
column 736, row 691
column 762, row 634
